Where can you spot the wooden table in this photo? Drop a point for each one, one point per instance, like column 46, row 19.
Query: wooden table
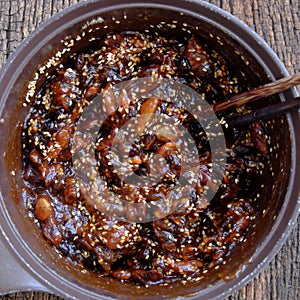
column 278, row 22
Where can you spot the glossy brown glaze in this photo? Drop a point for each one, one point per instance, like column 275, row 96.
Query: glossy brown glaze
column 189, row 242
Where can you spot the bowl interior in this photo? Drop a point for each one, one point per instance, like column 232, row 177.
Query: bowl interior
column 62, row 276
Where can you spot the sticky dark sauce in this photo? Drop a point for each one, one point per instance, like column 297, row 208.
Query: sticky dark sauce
column 182, row 246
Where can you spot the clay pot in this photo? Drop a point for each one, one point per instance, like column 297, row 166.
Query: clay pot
column 29, row 263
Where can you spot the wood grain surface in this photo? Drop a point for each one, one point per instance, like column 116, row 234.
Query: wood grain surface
column 278, row 23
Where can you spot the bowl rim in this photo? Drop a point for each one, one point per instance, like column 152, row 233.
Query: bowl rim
column 282, row 226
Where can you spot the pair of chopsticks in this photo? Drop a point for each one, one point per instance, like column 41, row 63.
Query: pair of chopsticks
column 251, row 96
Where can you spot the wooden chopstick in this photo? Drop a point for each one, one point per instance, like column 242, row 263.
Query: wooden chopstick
column 269, row 89
column 264, row 113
